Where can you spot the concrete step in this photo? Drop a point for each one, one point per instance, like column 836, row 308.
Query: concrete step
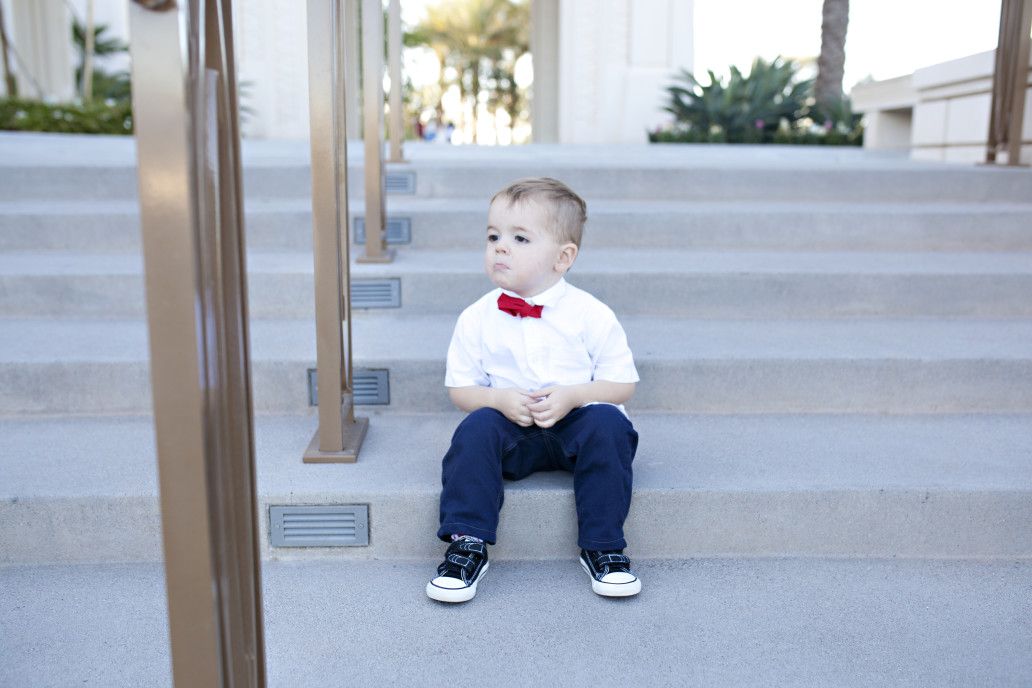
column 104, row 168
column 724, row 622
column 285, row 224
column 686, row 366
column 84, row 489
column 713, row 622
column 678, row 284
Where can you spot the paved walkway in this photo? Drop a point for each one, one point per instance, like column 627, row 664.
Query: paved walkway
column 19, row 149
column 719, row 622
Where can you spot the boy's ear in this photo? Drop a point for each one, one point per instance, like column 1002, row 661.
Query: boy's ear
column 567, row 254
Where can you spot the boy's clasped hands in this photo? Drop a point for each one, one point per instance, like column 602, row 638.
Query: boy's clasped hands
column 543, row 407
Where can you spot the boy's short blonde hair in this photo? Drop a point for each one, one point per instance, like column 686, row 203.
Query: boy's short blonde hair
column 566, row 209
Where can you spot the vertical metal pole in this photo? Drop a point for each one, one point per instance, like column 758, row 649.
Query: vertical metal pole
column 372, row 108
column 186, row 119
column 1019, row 85
column 1010, row 82
column 352, row 81
column 394, row 67
column 234, row 483
column 340, row 434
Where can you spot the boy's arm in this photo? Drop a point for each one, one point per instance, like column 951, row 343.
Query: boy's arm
column 551, row 404
column 511, row 402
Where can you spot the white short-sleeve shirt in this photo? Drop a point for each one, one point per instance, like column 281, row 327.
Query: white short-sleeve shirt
column 576, row 340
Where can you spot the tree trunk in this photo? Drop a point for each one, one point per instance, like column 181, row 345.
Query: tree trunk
column 87, row 62
column 476, row 95
column 11, row 84
column 832, row 60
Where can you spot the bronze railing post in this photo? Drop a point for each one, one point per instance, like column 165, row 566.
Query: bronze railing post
column 340, row 434
column 188, row 147
column 1010, row 82
column 372, row 132
column 397, row 133
column 352, row 80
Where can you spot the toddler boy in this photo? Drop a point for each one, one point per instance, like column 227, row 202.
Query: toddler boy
column 542, row 368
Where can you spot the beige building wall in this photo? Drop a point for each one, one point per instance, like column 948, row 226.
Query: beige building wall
column 939, row 112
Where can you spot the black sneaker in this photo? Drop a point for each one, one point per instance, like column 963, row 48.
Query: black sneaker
column 610, row 573
column 464, row 565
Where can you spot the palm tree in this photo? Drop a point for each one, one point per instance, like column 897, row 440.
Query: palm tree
column 432, row 32
column 105, row 85
column 832, row 60
column 475, row 38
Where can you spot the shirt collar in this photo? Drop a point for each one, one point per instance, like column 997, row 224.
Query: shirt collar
column 548, row 297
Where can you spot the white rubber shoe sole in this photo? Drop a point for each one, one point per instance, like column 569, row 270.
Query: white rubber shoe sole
column 439, row 588
column 626, row 588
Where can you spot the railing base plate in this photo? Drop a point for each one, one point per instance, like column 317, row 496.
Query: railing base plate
column 354, row 433
column 385, row 257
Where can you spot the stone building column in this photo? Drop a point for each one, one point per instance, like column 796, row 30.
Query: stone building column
column 41, row 33
column 272, row 54
column 615, row 57
column 544, row 48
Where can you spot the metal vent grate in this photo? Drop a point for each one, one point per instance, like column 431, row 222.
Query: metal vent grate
column 319, row 526
column 369, row 387
column 376, row 293
column 400, row 183
column 399, row 230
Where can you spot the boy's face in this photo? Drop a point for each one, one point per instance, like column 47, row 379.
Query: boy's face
column 522, row 256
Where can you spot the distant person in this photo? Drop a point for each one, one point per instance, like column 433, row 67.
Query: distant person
column 542, row 368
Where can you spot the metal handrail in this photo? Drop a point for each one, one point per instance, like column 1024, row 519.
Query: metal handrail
column 372, row 133
column 191, row 215
column 340, row 435
column 1010, row 82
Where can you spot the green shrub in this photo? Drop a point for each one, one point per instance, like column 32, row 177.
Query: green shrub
column 747, row 109
column 95, row 117
column 804, row 133
column 770, row 105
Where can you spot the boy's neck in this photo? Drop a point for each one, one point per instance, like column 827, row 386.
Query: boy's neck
column 541, row 291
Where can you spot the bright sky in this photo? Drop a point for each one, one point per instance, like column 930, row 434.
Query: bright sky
column 886, row 38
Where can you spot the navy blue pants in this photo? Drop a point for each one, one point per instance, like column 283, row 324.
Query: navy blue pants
column 596, row 443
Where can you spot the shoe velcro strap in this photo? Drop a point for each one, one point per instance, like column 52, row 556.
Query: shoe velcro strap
column 461, row 561
column 606, row 559
column 469, row 546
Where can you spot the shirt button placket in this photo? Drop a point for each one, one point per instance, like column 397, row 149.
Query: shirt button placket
column 535, row 349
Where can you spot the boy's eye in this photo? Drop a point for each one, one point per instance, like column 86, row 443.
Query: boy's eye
column 521, row 239
column 492, row 237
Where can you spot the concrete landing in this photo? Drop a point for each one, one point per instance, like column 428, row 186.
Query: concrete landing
column 706, row 622
column 104, row 168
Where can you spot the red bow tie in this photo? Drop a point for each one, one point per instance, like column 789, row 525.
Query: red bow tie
column 518, row 307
